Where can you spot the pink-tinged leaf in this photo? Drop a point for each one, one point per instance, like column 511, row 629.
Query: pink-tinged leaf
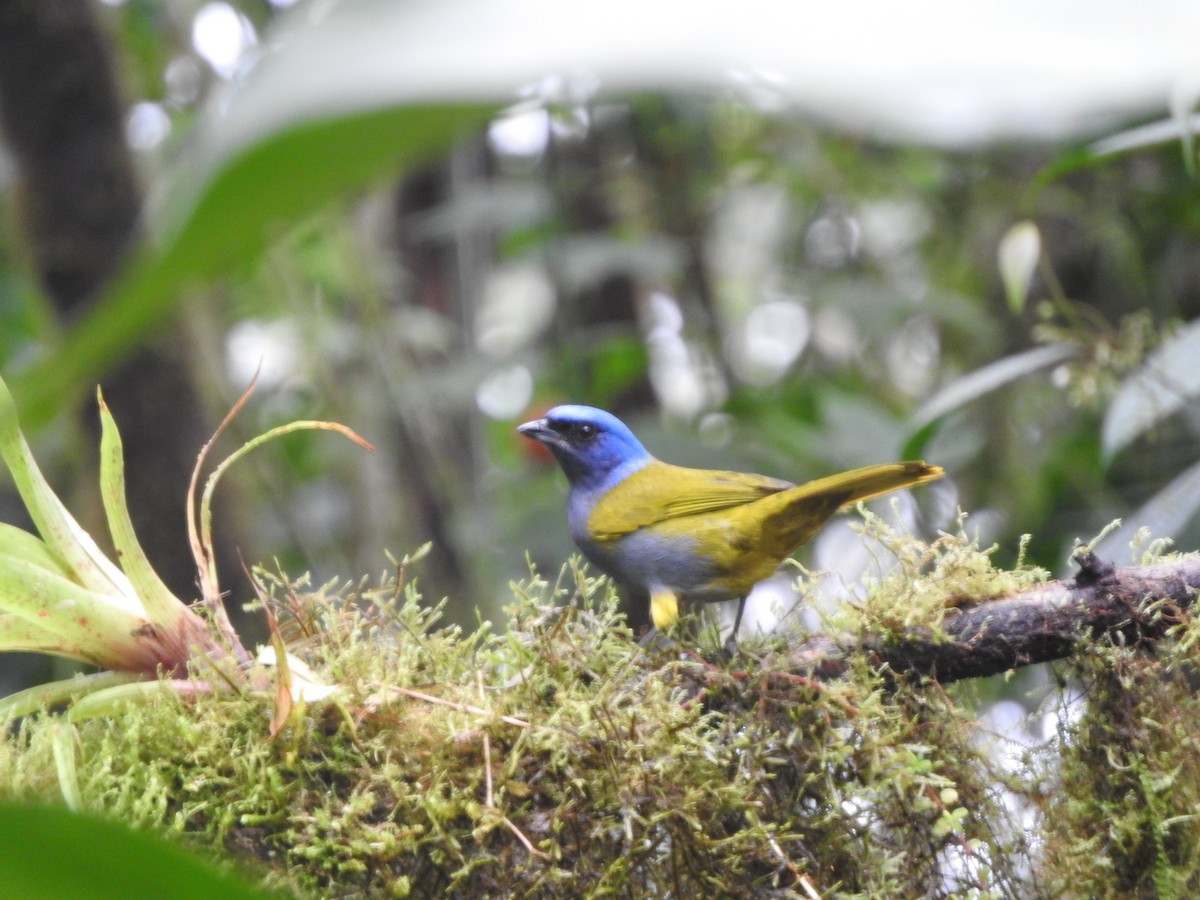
column 58, row 528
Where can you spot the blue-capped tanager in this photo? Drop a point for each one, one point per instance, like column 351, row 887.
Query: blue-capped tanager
column 690, row 535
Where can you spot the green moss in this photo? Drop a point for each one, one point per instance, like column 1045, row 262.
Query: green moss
column 922, row 580
column 558, row 757
column 1120, row 812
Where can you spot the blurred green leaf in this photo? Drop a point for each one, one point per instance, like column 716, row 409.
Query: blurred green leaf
column 914, row 447
column 983, row 381
column 1148, row 136
column 343, row 92
column 1183, row 101
column 1129, row 140
column 1163, row 515
column 1168, row 379
column 618, row 363
column 50, row 853
column 250, row 195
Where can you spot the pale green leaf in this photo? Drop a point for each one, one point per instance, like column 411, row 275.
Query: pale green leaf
column 58, row 528
column 23, row 545
column 17, row 633
column 162, row 607
column 109, row 701
column 103, row 631
column 55, row 693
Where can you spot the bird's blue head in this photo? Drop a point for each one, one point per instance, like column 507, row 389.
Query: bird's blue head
column 594, row 448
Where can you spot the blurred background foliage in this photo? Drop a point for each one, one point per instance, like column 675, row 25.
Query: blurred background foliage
column 749, row 289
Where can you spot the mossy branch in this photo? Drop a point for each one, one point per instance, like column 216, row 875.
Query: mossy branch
column 557, row 757
column 988, row 636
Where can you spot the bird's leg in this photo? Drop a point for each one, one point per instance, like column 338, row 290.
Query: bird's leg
column 731, row 642
column 654, row 638
column 737, row 620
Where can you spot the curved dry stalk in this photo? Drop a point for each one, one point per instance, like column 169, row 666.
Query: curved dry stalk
column 206, row 571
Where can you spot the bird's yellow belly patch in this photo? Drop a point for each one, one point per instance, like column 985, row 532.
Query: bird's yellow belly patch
column 664, row 608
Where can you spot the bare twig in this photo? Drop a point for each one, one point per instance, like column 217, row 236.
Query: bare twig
column 491, row 797
column 463, row 707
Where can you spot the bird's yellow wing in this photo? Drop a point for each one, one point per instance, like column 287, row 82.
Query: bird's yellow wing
column 660, row 492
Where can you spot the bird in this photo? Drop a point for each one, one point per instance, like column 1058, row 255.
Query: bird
column 686, row 536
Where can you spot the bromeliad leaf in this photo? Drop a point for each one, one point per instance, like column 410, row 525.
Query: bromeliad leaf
column 160, row 605
column 21, row 544
column 58, row 528
column 60, row 594
column 55, row 614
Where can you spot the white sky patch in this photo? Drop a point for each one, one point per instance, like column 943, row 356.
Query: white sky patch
column 147, row 126
column 272, row 349
column 505, row 393
column 518, row 304
column 221, row 36
column 521, row 133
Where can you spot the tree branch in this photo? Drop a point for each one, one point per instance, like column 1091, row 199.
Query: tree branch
column 995, row 635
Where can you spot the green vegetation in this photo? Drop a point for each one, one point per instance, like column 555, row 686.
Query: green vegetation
column 750, row 287
column 556, row 754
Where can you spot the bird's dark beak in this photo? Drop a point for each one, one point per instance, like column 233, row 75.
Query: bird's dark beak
column 539, row 430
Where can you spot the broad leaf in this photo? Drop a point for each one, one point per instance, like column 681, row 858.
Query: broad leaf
column 50, row 852
column 1163, row 515
column 1169, row 378
column 346, row 92
column 993, row 376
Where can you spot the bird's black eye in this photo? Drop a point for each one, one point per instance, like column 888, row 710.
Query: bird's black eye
column 575, row 431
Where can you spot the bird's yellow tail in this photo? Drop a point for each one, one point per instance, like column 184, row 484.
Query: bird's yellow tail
column 871, row 481
column 802, row 510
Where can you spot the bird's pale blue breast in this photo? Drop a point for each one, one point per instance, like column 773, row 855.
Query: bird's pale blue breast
column 585, row 495
column 643, row 558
